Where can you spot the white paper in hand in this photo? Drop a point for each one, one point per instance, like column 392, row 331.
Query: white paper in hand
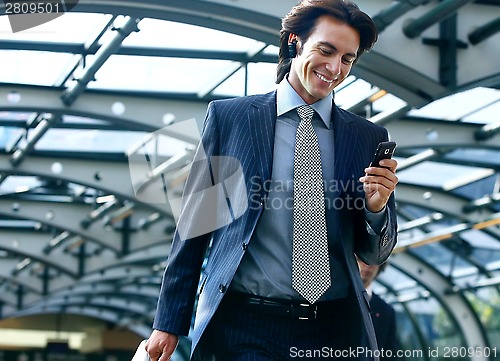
column 141, row 354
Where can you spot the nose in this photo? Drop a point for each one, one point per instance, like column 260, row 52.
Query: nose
column 334, row 66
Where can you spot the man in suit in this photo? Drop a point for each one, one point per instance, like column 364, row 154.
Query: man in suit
column 383, row 314
column 249, row 306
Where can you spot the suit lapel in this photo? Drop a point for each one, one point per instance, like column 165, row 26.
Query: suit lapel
column 262, row 122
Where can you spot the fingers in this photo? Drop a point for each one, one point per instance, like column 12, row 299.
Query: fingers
column 161, row 345
column 384, row 176
column 378, row 178
column 391, row 164
column 379, row 183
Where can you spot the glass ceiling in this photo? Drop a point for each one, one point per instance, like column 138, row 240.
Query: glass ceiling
column 437, row 182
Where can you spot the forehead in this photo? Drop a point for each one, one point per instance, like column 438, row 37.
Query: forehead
column 335, row 32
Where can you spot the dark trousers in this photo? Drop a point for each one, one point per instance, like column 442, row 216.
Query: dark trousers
column 238, row 333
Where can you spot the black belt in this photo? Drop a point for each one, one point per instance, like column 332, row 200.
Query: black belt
column 284, row 308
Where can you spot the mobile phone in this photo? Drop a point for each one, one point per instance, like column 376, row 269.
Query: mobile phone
column 385, row 150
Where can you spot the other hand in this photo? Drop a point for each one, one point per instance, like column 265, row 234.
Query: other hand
column 161, row 345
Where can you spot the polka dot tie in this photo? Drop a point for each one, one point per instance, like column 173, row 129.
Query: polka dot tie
column 310, row 261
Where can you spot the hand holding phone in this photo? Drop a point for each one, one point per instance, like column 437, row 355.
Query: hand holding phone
column 385, row 150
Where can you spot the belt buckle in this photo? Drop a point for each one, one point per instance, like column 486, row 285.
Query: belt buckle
column 312, row 310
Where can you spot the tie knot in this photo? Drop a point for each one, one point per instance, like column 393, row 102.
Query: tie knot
column 305, row 112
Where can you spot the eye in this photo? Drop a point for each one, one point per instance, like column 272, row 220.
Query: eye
column 325, row 51
column 348, row 60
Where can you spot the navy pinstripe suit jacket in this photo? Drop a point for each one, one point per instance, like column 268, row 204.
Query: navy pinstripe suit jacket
column 243, row 128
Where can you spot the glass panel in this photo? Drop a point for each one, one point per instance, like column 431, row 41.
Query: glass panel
column 17, row 184
column 101, row 141
column 488, row 114
column 177, row 75
column 8, row 135
column 487, row 156
column 437, row 328
column 234, row 86
column 436, row 255
column 486, row 303
column 18, row 67
column 262, row 78
column 356, row 91
column 167, row 34
column 446, row 176
column 68, row 28
column 463, row 105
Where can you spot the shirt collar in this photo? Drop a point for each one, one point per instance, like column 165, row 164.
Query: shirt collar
column 369, row 291
column 288, row 99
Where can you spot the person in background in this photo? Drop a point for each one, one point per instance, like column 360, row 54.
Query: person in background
column 280, row 276
column 383, row 314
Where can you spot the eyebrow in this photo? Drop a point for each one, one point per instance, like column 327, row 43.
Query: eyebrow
column 325, row 43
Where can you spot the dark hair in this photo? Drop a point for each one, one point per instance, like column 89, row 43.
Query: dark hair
column 301, row 21
column 382, row 267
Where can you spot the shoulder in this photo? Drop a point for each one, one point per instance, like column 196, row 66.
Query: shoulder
column 378, row 303
column 245, row 101
column 361, row 122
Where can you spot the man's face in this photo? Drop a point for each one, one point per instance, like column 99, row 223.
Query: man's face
column 367, row 272
column 324, row 60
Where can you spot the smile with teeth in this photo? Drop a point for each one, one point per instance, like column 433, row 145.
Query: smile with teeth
column 323, row 78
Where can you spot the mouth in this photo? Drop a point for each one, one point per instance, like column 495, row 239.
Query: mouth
column 323, row 78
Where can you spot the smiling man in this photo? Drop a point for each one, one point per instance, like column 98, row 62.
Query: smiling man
column 283, row 276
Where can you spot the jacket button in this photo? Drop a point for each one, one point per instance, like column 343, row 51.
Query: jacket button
column 262, row 201
column 222, row 288
column 244, row 246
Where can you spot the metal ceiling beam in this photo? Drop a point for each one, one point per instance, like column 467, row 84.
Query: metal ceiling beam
column 90, row 46
column 483, row 202
column 419, row 222
column 31, row 245
column 485, row 31
column 32, row 287
column 149, row 293
column 43, row 123
column 439, row 201
column 72, row 48
column 67, row 217
column 440, row 12
column 455, row 304
column 442, row 234
column 99, row 105
column 111, row 178
column 383, row 71
column 61, row 216
column 397, row 9
column 418, row 158
column 438, row 135
column 118, row 304
column 488, row 131
column 6, row 267
column 244, row 22
column 143, row 329
column 71, row 94
column 116, row 273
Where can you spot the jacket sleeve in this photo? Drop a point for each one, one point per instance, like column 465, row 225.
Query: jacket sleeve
column 377, row 247
column 190, row 242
